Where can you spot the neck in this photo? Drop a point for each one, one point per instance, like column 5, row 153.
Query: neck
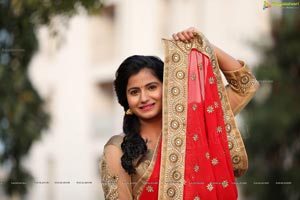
column 151, row 129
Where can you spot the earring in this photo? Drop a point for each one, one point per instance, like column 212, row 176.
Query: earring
column 129, row 112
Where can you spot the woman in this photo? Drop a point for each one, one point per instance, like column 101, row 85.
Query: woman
column 177, row 132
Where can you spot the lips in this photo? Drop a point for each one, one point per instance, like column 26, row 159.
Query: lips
column 147, row 107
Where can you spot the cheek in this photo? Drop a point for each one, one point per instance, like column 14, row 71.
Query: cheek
column 159, row 95
column 131, row 100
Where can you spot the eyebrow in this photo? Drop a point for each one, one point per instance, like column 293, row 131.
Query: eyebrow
column 154, row 82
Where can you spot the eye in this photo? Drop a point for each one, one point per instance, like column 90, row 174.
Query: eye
column 133, row 92
column 152, row 87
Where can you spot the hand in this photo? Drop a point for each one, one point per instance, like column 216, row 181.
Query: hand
column 185, row 35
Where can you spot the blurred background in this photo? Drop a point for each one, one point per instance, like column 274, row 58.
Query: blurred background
column 58, row 108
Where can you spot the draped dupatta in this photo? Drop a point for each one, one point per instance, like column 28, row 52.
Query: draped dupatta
column 201, row 147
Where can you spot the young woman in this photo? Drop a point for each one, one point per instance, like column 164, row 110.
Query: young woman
column 177, row 134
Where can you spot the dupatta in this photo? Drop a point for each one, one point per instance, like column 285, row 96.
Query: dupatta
column 201, row 147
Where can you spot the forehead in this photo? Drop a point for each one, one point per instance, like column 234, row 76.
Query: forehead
column 142, row 78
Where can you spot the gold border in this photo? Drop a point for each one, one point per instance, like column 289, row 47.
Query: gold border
column 174, row 93
column 138, row 188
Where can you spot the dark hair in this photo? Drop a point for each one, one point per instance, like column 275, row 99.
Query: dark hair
column 133, row 145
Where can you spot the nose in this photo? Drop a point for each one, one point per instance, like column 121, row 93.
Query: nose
column 144, row 96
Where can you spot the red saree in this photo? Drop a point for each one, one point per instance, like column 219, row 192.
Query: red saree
column 194, row 160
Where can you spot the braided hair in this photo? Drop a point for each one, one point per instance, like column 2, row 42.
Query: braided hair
column 133, row 145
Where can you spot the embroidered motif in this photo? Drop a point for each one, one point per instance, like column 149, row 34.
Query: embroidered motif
column 210, row 109
column 188, row 46
column 228, row 127
column 194, row 107
column 179, row 108
column 225, row 184
column 196, row 168
column 193, row 77
column 175, row 57
column 109, row 183
column 175, row 91
column 173, row 157
column 219, row 129
column 197, row 198
column 195, row 137
column 176, row 175
column 211, row 80
column 236, row 159
column 180, row 74
column 149, row 188
column 233, row 82
column 171, row 192
column 216, row 104
column 245, row 79
column 174, row 124
column 214, row 161
column 210, row 187
column 178, row 142
column 207, row 155
column 230, row 145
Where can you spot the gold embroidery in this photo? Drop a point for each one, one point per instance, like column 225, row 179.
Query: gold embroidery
column 228, row 128
column 207, row 155
column 109, row 183
column 211, row 80
column 175, row 57
column 245, row 79
column 174, row 124
column 193, row 77
column 196, row 168
column 173, row 157
column 171, row 192
column 219, row 129
column 176, row 175
column 216, row 104
column 236, row 159
column 230, row 145
column 194, row 107
column 195, row 137
column 175, row 91
column 188, row 46
column 214, row 161
column 149, row 188
column 210, row 109
column 178, row 142
column 225, row 184
column 210, row 187
column 241, row 80
column 179, row 108
column 180, row 74
column 197, row 198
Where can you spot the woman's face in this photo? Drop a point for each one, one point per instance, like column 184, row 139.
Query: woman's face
column 144, row 95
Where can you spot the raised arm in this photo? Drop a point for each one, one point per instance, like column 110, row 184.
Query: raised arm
column 116, row 183
column 242, row 84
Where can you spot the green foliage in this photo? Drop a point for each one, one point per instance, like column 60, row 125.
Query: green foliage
column 274, row 124
column 22, row 113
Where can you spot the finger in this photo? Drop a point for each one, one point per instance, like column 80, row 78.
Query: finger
column 181, row 37
column 187, row 35
column 175, row 37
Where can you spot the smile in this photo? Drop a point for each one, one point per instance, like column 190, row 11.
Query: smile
column 147, row 107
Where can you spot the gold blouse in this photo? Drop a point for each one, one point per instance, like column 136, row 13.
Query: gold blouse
column 117, row 184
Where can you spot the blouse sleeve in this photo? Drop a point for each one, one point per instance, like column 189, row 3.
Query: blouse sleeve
column 241, row 88
column 116, row 183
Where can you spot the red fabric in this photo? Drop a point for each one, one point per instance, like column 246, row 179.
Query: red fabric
column 203, row 178
column 153, row 181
